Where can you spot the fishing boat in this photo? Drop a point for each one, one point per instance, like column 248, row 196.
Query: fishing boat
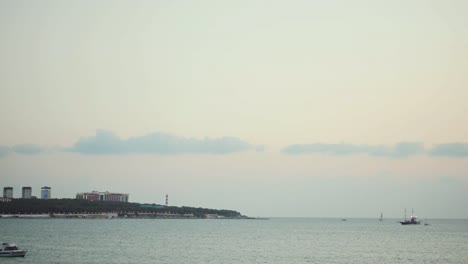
column 412, row 221
column 11, row 250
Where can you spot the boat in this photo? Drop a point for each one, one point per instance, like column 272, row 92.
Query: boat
column 412, row 221
column 11, row 250
column 381, row 217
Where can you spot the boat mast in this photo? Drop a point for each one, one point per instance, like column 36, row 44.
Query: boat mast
column 405, row 214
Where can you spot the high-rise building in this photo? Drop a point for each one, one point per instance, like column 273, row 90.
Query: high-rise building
column 46, row 193
column 26, row 194
column 103, row 196
column 8, row 192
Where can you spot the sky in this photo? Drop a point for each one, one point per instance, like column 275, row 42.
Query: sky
column 271, row 108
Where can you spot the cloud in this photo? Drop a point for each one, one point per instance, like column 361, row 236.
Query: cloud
column 449, row 180
column 260, row 148
column 400, row 150
column 4, row 150
column 456, row 149
column 105, row 142
column 29, row 149
column 334, row 149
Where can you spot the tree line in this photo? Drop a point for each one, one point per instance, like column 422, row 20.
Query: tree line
column 70, row 206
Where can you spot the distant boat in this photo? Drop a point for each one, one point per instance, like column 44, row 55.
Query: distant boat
column 412, row 221
column 381, row 217
column 344, row 219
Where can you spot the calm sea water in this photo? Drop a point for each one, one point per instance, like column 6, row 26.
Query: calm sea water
column 282, row 240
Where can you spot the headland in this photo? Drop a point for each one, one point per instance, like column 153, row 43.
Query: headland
column 78, row 208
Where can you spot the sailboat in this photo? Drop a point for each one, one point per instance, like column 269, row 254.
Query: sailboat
column 412, row 220
column 381, row 217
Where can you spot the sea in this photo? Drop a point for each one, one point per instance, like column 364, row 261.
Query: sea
column 276, row 240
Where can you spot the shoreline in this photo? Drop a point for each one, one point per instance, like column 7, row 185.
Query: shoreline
column 117, row 216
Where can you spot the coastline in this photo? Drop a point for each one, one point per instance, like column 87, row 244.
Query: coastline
column 117, row 216
column 78, row 208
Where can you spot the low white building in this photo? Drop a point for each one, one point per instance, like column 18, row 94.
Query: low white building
column 103, row 196
column 5, row 200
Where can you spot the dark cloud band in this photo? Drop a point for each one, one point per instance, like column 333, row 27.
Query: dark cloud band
column 28, row 149
column 400, row 150
column 105, row 142
column 456, row 149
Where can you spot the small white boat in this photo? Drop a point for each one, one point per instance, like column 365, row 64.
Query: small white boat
column 11, row 250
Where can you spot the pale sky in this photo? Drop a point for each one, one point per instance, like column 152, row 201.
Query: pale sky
column 272, row 108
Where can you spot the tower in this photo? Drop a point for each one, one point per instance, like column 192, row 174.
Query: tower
column 26, row 194
column 8, row 192
column 46, row 193
column 167, row 200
